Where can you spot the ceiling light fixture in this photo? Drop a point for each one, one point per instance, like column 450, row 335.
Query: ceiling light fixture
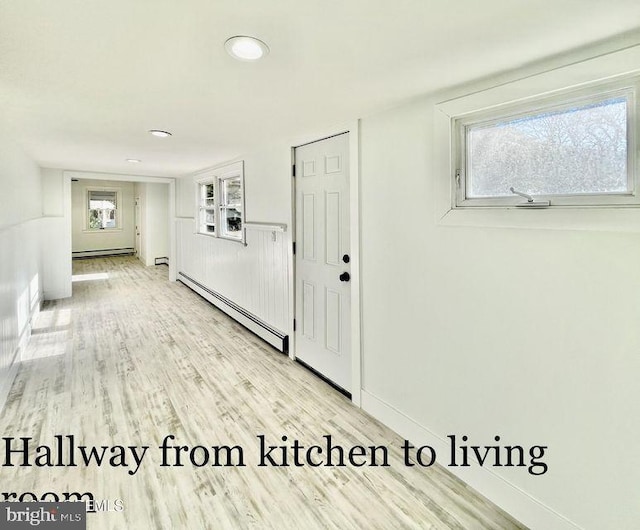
column 246, row 48
column 133, row 160
column 159, row 133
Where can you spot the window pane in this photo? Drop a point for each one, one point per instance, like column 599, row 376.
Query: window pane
column 232, row 222
column 232, row 192
column 102, row 199
column 208, row 221
column 579, row 150
column 102, row 218
column 94, row 219
column 93, row 204
column 208, row 195
column 110, row 219
column 207, row 208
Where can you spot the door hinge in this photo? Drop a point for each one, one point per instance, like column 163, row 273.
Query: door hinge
column 294, row 324
column 458, row 177
column 293, row 170
column 294, row 248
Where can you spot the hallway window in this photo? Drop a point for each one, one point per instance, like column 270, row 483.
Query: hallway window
column 573, row 149
column 102, row 209
column 220, row 202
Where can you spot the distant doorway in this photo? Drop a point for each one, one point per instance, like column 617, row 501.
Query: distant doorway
column 137, row 228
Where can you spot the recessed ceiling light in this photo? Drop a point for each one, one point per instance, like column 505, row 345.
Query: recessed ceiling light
column 133, row 160
column 246, row 48
column 159, row 133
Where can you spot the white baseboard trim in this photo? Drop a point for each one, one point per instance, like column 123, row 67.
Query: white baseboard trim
column 498, row 490
column 58, row 294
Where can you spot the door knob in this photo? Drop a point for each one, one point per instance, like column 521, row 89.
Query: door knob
column 346, row 258
column 345, row 277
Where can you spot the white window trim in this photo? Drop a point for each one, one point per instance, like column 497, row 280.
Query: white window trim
column 598, row 92
column 576, row 78
column 216, row 176
column 119, row 219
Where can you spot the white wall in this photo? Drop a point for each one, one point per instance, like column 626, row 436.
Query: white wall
column 154, row 227
column 20, row 281
column 55, row 236
column 528, row 334
column 83, row 239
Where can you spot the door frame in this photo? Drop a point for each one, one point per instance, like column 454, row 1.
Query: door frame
column 137, row 225
column 171, row 221
column 353, row 128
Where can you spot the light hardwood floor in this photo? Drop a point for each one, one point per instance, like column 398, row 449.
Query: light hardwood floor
column 132, row 357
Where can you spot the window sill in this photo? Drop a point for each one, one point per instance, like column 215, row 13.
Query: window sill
column 101, row 230
column 234, row 239
column 223, row 238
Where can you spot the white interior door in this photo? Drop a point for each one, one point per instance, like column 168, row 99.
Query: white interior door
column 137, row 228
column 323, row 289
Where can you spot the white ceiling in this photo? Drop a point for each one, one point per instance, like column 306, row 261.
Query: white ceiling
column 81, row 81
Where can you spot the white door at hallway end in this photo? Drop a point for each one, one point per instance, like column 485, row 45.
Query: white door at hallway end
column 322, row 260
column 138, row 228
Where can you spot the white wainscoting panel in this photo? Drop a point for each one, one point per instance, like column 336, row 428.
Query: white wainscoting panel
column 254, row 276
column 55, row 240
column 20, row 295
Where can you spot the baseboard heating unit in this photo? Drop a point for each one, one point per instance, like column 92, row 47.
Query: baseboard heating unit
column 102, row 252
column 266, row 332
